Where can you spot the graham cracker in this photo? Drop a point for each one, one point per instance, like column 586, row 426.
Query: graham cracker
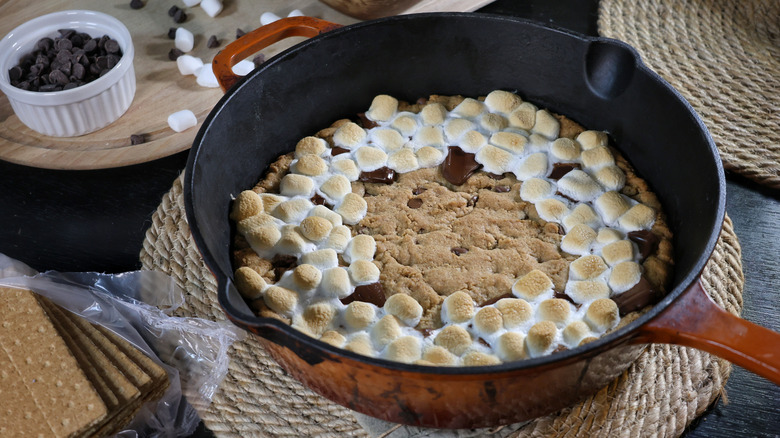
column 46, row 366
column 153, row 369
column 21, row 416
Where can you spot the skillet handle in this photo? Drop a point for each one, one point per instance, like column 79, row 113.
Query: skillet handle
column 261, row 38
column 694, row 320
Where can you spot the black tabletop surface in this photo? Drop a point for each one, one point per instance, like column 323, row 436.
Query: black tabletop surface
column 96, row 220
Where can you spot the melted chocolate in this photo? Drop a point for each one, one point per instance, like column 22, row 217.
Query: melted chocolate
column 426, row 332
column 337, row 150
column 415, row 203
column 636, row 298
column 565, row 197
column 372, row 293
column 459, row 250
column 283, row 263
column 646, row 240
column 365, row 122
column 563, row 296
column 473, row 201
column 383, row 175
column 502, row 189
column 483, row 342
column 317, row 200
column 495, row 175
column 494, row 300
column 458, row 166
column 561, row 169
column 418, row 190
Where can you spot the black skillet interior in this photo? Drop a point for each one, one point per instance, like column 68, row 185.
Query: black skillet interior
column 599, row 83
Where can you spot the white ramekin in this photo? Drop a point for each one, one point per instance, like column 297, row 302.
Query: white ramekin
column 80, row 110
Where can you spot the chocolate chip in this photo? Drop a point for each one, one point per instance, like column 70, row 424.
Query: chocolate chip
column 494, row 175
column 418, row 190
column 63, row 44
column 640, row 295
column 172, row 33
column 317, row 199
column 564, row 296
column 70, row 85
column 180, row 16
column 172, row 11
column 136, row 4
column 137, row 139
column 76, row 40
column 44, row 44
column 561, row 169
column 239, row 33
column 258, row 59
column 384, row 175
column 66, row 33
column 336, row 150
column 174, row 53
column 502, row 189
column 47, row 87
column 483, row 342
column 212, row 42
column 15, row 73
column 472, row 201
column 58, row 77
column 459, row 165
column 645, row 240
column 372, row 293
column 112, row 46
column 90, row 46
column 365, row 122
column 459, row 250
column 415, row 203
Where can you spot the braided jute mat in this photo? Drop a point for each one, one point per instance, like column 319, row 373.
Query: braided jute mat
column 723, row 56
column 659, row 395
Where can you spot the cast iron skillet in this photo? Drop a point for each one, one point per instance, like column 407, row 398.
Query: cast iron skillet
column 598, row 82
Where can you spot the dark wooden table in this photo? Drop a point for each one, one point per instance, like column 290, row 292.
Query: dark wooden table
column 96, row 220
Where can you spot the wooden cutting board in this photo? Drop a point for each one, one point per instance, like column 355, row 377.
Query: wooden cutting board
column 161, row 89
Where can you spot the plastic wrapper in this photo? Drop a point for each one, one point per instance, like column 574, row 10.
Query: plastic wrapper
column 138, row 306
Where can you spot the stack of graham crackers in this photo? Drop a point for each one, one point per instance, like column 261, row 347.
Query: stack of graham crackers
column 62, row 376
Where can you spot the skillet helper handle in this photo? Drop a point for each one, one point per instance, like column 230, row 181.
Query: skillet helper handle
column 694, row 320
column 261, row 38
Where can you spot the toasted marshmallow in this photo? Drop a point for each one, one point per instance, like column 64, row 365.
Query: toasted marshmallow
column 552, row 210
column 533, row 286
column 249, row 283
column 333, row 338
column 618, row 251
column 511, row 141
column 352, row 208
column 321, row 259
column 387, row 139
column 324, row 212
column 454, row 128
column 638, row 217
column 540, row 338
column 363, row 272
column 580, row 186
column 592, row 139
column 536, row 189
column 405, row 308
column 360, row 344
column 349, row 135
column 433, row 114
column 511, row 346
column 495, row 160
column 454, row 338
column 385, row 331
column 339, row 238
column 479, row 359
column 429, row 136
column 624, row 276
column 246, row 204
column 439, row 356
column 472, row 141
column 281, row 300
column 361, row 247
column 403, row 161
column 296, row 185
column 310, row 165
column 306, row 277
column 335, row 282
column 458, row 307
column 469, row 108
column 406, row 124
column 597, row 158
column 310, row 146
column 582, row 214
column 514, row 311
column 565, row 149
column 488, row 320
column 317, row 318
column 523, row 117
column 382, row 108
column 575, row 332
column 336, row 187
column 293, row 210
column 587, row 267
column 555, row 309
column 533, row 166
column 502, row 101
column 578, row 240
column 492, row 122
column 292, row 242
column 346, row 167
column 602, row 315
column 586, row 291
column 370, row 158
column 429, row 156
column 359, row 315
column 537, row 143
column 608, row 235
column 611, row 177
column 258, row 220
column 263, row 238
column 270, row 201
column 546, row 125
column 611, row 205
column 406, row 349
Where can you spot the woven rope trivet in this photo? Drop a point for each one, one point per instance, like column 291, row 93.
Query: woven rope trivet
column 723, row 56
column 660, row 394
